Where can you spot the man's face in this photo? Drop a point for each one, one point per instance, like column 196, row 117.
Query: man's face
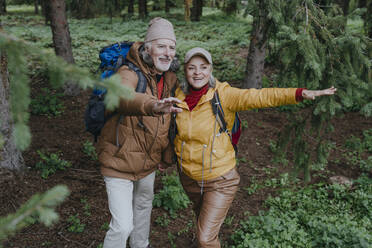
column 162, row 52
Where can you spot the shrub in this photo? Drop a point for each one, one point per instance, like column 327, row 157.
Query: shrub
column 322, row 216
column 76, row 226
column 49, row 164
column 47, row 103
column 172, row 196
column 90, row 150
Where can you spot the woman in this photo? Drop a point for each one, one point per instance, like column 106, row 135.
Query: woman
column 206, row 157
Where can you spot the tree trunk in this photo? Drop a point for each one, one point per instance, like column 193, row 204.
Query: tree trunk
column 345, row 6
column 45, row 10
column 62, row 39
column 231, row 7
column 196, row 10
column 131, row 7
column 2, row 7
column 10, row 156
column 188, row 5
column 156, row 5
column 36, row 4
column 257, row 52
column 142, row 8
column 367, row 17
column 167, row 6
column 117, row 5
column 60, row 30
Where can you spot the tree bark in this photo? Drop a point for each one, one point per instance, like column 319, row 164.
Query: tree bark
column 142, row 8
column 367, row 17
column 117, row 5
column 156, row 5
column 167, row 6
column 188, row 5
column 10, row 157
column 62, row 40
column 257, row 53
column 60, row 30
column 45, row 10
column 231, row 7
column 196, row 10
column 36, row 5
column 131, row 7
column 345, row 6
column 2, row 6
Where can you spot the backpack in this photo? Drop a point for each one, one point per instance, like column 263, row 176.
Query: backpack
column 112, row 58
column 236, row 129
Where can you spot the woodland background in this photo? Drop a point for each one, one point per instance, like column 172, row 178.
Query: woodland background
column 305, row 169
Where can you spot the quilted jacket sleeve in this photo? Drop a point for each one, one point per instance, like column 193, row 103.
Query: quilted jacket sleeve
column 140, row 104
column 236, row 99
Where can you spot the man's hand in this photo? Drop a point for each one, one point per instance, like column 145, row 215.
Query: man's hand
column 311, row 94
column 166, row 105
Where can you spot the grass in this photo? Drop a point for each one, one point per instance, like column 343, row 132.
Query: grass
column 223, row 36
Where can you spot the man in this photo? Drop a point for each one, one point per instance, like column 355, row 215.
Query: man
column 132, row 146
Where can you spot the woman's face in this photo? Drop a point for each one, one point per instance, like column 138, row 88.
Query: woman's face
column 198, row 72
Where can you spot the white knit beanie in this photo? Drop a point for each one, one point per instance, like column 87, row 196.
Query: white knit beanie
column 160, row 28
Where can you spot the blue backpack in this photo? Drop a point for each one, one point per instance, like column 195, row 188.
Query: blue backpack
column 112, row 58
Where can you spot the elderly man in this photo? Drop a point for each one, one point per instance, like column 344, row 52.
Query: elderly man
column 135, row 142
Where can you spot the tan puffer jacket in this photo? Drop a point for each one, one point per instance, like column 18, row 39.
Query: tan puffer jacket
column 140, row 148
column 202, row 152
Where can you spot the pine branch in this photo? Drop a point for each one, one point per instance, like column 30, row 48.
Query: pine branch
column 40, row 207
column 19, row 52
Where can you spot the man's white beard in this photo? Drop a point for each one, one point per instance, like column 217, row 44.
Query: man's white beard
column 161, row 67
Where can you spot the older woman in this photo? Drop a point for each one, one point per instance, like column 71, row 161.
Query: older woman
column 206, row 157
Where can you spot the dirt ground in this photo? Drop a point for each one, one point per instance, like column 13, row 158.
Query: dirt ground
column 66, row 134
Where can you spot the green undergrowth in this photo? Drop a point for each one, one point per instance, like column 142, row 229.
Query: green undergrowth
column 315, row 216
column 171, row 197
column 222, row 36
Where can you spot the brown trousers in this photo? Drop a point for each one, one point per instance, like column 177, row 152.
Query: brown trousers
column 212, row 205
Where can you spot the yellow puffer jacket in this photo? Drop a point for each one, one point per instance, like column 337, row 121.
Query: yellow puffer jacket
column 203, row 153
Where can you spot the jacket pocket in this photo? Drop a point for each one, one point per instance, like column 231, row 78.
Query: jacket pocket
column 221, row 146
column 131, row 158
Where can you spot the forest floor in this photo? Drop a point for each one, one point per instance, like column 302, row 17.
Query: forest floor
column 88, row 199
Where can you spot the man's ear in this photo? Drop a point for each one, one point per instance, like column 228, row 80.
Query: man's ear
column 147, row 49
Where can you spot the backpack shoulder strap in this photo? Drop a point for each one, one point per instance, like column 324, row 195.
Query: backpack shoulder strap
column 218, row 111
column 141, row 86
column 142, row 81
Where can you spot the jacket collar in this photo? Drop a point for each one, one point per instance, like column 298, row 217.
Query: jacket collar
column 205, row 98
column 134, row 57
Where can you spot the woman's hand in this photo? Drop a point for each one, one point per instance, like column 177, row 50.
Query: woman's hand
column 166, row 105
column 311, row 94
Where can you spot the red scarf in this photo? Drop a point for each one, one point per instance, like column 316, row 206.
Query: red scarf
column 194, row 96
column 160, row 87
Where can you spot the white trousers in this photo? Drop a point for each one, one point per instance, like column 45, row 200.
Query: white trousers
column 130, row 204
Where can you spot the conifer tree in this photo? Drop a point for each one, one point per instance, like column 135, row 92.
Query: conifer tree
column 2, row 6
column 142, row 9
column 315, row 49
column 15, row 56
column 36, row 7
column 10, row 157
column 20, row 54
column 258, row 43
column 196, row 10
column 62, row 40
column 39, row 207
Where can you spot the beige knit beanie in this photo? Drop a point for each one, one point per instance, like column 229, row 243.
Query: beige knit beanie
column 160, row 28
column 198, row 51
